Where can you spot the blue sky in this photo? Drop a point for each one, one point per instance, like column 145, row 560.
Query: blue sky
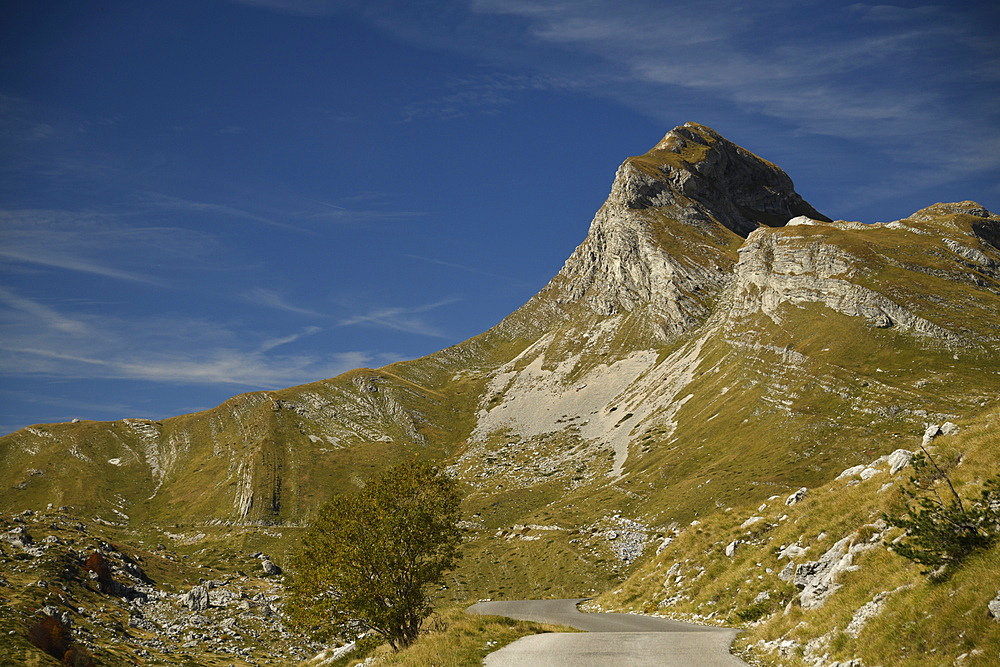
column 203, row 198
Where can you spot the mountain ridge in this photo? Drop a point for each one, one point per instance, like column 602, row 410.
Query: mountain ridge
column 707, row 295
column 672, row 236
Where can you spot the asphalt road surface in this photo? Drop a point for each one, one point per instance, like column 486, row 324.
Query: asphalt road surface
column 622, row 640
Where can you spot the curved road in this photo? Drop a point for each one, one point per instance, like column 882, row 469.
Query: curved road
column 609, row 639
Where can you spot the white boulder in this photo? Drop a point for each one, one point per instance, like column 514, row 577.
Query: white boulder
column 852, row 471
column 797, row 496
column 898, row 460
column 731, row 548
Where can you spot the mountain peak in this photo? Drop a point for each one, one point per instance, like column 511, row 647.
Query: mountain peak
column 676, row 139
column 941, row 209
column 736, row 188
column 666, row 238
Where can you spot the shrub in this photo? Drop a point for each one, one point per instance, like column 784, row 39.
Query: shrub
column 942, row 529
column 755, row 611
column 52, row 636
column 98, row 564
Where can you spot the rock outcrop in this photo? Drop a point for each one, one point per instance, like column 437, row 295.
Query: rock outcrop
column 196, row 599
column 818, row 579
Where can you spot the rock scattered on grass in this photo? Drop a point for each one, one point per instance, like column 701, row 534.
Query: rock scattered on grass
column 994, row 607
column 797, row 496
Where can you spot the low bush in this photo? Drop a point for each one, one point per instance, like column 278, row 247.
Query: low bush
column 942, row 528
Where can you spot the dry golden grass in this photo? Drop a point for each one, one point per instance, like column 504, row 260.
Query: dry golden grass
column 920, row 623
column 453, row 638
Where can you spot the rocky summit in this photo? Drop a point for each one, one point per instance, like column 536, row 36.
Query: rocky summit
column 715, row 353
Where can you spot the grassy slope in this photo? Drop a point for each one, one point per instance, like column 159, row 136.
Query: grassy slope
column 921, row 623
column 775, row 428
column 761, row 421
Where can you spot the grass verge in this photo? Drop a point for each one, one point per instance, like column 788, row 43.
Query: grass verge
column 453, row 638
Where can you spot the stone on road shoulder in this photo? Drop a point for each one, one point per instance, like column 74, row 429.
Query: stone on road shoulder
column 610, row 639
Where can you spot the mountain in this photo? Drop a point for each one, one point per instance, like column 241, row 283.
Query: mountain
column 713, row 341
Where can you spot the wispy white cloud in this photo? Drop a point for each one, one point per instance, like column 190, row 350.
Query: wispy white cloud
column 272, row 299
column 485, row 94
column 468, row 269
column 44, row 335
column 400, row 318
column 894, row 13
column 272, row 343
column 20, row 121
column 340, row 213
column 84, row 242
column 96, row 243
column 369, row 197
column 214, row 366
column 39, row 339
column 178, row 204
column 891, row 76
column 47, row 317
column 53, row 258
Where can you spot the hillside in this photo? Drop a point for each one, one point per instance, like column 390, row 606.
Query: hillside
column 713, row 342
column 812, row 577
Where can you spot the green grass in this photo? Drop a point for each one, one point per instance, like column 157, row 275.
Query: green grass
column 693, row 152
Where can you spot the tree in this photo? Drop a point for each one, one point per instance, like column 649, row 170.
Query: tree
column 370, row 558
column 942, row 529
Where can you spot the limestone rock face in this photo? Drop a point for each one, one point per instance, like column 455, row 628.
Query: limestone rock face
column 196, row 599
column 781, row 270
column 663, row 240
column 621, row 267
column 840, row 264
column 818, row 579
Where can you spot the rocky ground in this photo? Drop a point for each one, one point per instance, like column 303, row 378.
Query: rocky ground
column 127, row 605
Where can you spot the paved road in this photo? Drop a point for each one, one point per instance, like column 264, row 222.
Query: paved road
column 609, row 639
